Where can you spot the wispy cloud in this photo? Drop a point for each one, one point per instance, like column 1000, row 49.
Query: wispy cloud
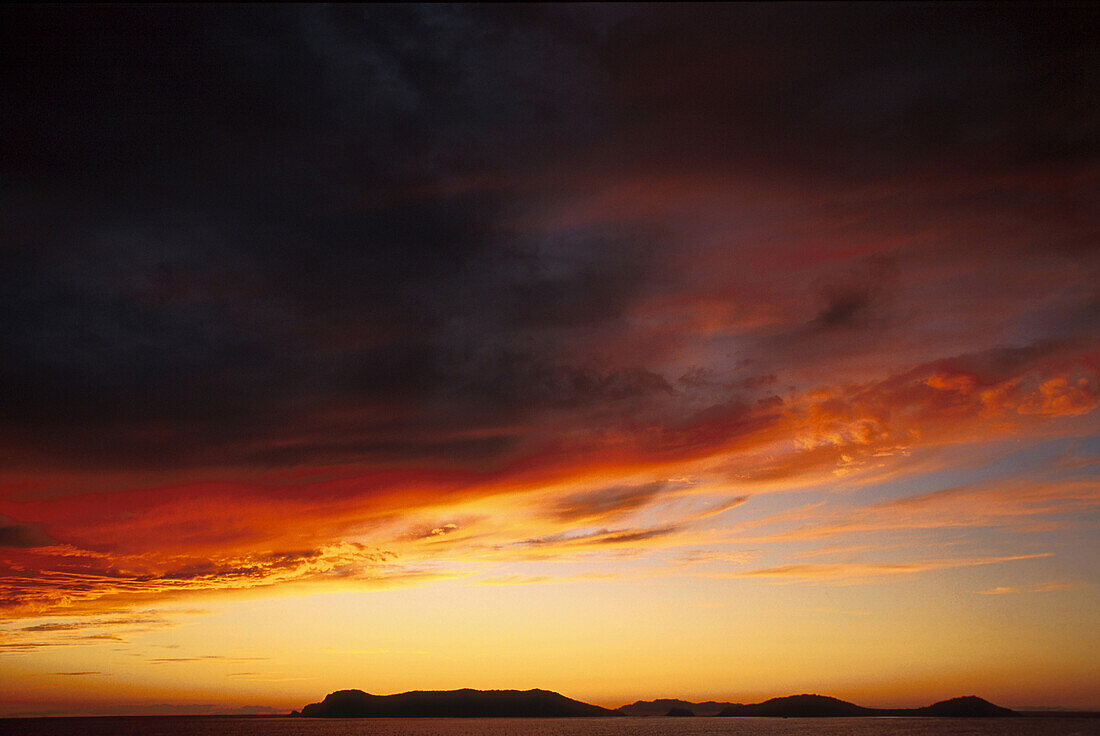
column 205, row 658
column 605, row 502
column 517, row 579
column 1021, row 503
column 850, row 573
column 1040, row 588
column 259, row 677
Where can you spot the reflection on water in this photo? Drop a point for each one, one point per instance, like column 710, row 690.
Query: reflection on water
column 214, row 726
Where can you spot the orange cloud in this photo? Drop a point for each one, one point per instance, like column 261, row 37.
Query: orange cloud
column 1043, row 588
column 585, row 490
column 1014, row 504
column 861, row 572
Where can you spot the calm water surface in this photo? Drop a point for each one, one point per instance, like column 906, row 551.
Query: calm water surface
column 213, row 726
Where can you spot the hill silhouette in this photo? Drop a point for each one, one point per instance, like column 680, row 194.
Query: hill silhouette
column 469, row 703
column 662, row 706
column 452, row 704
column 969, row 706
column 821, row 706
column 799, row 706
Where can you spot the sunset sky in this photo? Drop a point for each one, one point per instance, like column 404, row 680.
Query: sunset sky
column 710, row 352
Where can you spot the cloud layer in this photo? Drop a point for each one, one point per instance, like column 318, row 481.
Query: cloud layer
column 299, row 299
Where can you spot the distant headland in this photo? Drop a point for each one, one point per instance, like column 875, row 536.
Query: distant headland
column 546, row 704
column 452, row 704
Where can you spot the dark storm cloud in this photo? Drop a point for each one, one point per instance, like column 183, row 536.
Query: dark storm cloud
column 22, row 536
column 844, row 307
column 855, row 91
column 290, row 234
column 860, row 298
column 224, row 216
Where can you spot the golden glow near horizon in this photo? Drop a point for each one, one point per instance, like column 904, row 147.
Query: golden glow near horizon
column 725, row 352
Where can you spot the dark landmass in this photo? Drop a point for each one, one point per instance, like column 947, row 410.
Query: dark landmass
column 820, row 706
column 452, row 704
column 469, row 703
column 661, row 707
column 799, row 706
column 967, row 707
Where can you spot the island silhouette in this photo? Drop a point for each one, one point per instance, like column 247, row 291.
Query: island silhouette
column 469, row 703
column 817, row 706
column 452, row 704
column 662, row 707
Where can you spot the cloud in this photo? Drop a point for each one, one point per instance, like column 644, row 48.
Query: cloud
column 833, row 430
column 600, row 537
column 598, row 248
column 65, row 626
column 738, row 557
column 257, row 677
column 999, row 590
column 1018, row 506
column 825, row 432
column 22, row 644
column 205, row 658
column 507, row 314
column 844, row 307
column 517, row 579
column 1040, row 588
column 607, row 502
column 56, row 590
column 127, row 621
column 22, row 536
column 852, row 302
column 942, row 402
column 850, row 573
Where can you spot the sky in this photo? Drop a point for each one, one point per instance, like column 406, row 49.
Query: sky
column 709, row 352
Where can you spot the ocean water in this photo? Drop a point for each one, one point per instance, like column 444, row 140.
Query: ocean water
column 699, row 726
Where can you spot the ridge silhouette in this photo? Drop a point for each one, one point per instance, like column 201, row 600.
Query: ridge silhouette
column 817, row 706
column 468, row 703
column 465, row 703
column 822, row 706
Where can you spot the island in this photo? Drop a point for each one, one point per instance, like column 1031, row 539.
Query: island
column 452, row 704
column 818, row 706
column 469, row 703
column 662, row 706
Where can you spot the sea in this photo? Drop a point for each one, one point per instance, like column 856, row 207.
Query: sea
column 653, row 726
